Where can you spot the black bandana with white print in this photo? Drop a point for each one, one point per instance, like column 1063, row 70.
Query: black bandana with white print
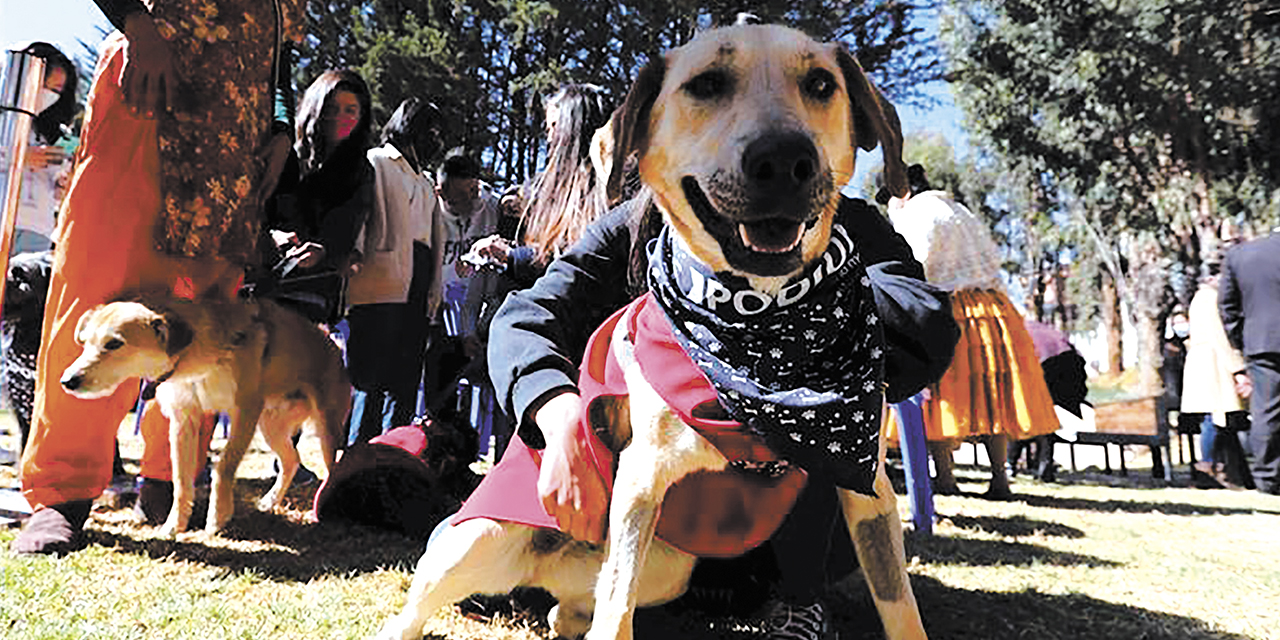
column 803, row 369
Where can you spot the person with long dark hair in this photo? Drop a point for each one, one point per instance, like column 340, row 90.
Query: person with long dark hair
column 563, row 198
column 47, row 163
column 325, row 197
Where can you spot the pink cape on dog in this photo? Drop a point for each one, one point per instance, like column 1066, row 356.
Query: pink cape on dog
column 708, row 514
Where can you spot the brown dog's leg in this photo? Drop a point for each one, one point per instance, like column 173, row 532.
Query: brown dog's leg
column 876, row 529
column 184, row 439
column 633, row 518
column 221, row 495
column 277, row 426
column 662, row 450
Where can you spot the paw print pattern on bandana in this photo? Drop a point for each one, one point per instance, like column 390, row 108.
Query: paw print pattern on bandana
column 805, row 369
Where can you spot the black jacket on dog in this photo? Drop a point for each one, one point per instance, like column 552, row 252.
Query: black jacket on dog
column 538, row 336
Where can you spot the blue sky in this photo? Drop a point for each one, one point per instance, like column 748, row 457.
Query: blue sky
column 62, row 22
column 59, row 22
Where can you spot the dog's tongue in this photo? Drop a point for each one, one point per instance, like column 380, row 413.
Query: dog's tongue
column 771, row 236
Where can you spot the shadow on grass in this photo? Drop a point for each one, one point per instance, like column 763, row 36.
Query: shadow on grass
column 949, row 614
column 278, row 546
column 1137, row 506
column 946, row 550
column 962, row 614
column 1014, row 526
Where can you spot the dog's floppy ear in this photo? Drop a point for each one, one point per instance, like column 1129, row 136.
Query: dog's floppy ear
column 601, row 153
column 174, row 332
column 874, row 121
column 84, row 322
column 629, row 125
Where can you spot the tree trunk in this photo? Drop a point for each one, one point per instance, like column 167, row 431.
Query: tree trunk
column 1113, row 324
column 1149, row 355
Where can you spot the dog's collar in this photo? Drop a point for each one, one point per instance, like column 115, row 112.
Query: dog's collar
column 149, row 389
column 804, row 368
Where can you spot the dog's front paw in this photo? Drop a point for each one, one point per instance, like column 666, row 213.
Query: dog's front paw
column 566, row 622
column 270, row 501
column 217, row 520
column 171, row 528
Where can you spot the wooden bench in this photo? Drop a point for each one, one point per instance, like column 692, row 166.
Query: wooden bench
column 1141, row 421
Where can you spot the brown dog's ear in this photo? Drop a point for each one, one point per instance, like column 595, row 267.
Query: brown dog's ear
column 174, row 332
column 629, row 125
column 874, row 122
column 83, row 322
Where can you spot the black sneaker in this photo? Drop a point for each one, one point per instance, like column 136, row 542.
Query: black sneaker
column 790, row 621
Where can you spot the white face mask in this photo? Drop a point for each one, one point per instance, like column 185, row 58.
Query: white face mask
column 46, row 99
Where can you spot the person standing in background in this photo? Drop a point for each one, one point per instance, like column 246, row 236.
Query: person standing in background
column 994, row 389
column 380, row 319
column 324, row 199
column 1210, row 395
column 48, row 164
column 470, row 211
column 1249, row 302
column 564, row 197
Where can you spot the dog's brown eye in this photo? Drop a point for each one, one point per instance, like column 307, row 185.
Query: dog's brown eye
column 113, row 344
column 708, row 85
column 819, row 84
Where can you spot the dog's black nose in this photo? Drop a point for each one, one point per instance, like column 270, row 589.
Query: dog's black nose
column 782, row 163
column 71, row 383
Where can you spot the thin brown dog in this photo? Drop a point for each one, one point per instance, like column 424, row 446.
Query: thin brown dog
column 265, row 366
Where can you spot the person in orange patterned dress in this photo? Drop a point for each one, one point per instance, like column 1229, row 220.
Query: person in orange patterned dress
column 183, row 134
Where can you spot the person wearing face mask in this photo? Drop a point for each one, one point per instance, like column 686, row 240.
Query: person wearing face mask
column 187, row 125
column 323, row 201
column 47, row 163
column 47, row 167
column 384, row 350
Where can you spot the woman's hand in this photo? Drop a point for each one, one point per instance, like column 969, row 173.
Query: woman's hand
column 1243, row 385
column 489, row 252
column 308, row 254
column 41, row 156
column 273, row 155
column 569, row 484
column 150, row 81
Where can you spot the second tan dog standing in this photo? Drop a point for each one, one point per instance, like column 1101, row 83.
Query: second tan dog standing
column 265, row 366
column 745, row 136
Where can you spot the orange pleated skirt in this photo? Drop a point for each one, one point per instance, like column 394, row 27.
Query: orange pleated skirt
column 995, row 384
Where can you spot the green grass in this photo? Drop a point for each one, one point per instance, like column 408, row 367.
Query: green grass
column 1099, row 557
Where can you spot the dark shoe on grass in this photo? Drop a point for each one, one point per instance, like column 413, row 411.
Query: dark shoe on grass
column 155, row 499
column 53, row 530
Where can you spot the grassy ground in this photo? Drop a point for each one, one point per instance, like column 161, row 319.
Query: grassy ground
column 1096, row 556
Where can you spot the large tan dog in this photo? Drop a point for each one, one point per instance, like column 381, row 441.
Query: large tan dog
column 258, row 362
column 740, row 116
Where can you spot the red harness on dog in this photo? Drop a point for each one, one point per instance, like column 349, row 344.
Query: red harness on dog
column 709, row 514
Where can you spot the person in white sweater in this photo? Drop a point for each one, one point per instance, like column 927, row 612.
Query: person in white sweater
column 381, row 319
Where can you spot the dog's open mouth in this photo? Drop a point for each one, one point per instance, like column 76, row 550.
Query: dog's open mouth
column 766, row 246
column 774, row 235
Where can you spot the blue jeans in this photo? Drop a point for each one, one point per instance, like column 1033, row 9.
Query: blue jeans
column 1208, row 434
